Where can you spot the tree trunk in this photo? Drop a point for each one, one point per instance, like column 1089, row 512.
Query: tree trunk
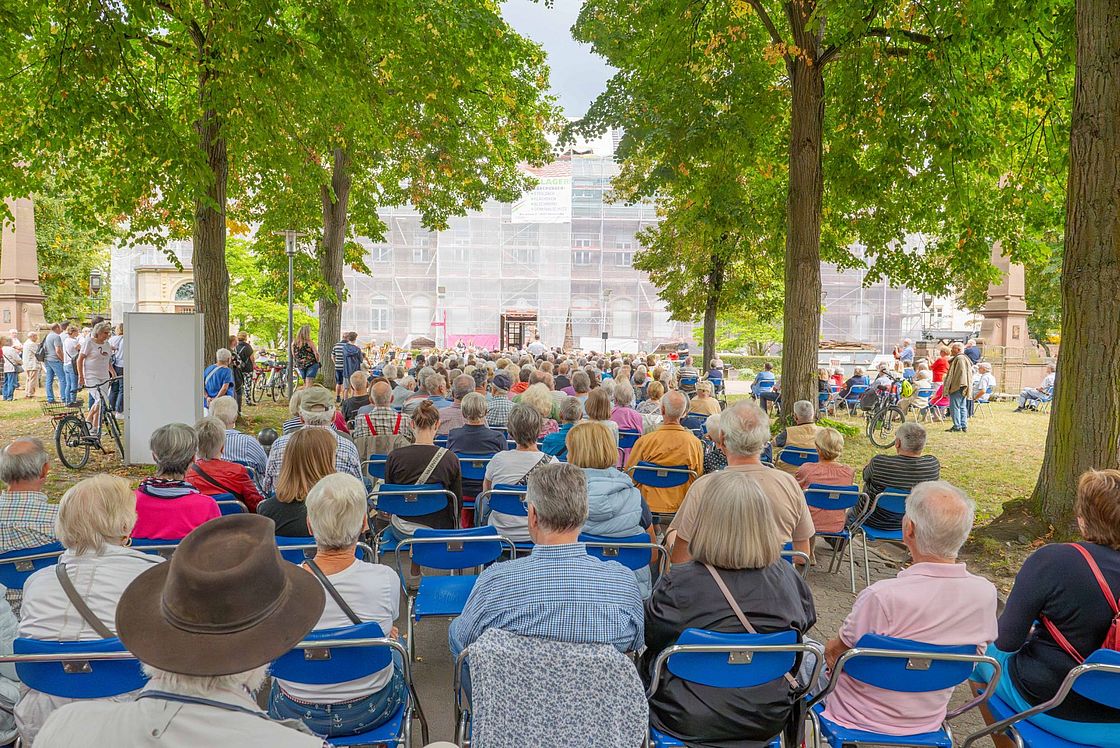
column 335, row 199
column 802, row 313
column 1085, row 424
column 716, row 273
column 209, row 231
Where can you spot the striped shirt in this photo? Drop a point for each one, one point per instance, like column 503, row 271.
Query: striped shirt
column 557, row 592
column 338, row 353
column 896, row 471
column 246, row 450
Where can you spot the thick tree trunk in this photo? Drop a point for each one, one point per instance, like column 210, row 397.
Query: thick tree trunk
column 1085, row 423
column 716, row 273
column 209, row 232
column 335, row 199
column 802, row 313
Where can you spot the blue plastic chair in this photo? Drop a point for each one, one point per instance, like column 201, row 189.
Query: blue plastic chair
column 819, row 496
column 718, row 660
column 798, row 456
column 449, row 550
column 347, row 653
column 689, row 381
column 77, row 670
column 852, row 400
column 17, row 566
column 374, row 466
column 766, row 385
column 155, row 546
column 799, row 560
column 627, row 439
column 441, row 441
column 473, row 467
column 1097, row 679
column 298, row 550
column 229, row 504
column 903, row 666
column 661, row 476
column 403, row 500
column 632, row 551
column 506, row 498
column 892, row 500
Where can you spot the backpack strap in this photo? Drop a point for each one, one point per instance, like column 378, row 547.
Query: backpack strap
column 1058, row 636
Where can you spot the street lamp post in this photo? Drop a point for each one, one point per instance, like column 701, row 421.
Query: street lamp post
column 290, row 248
column 95, row 287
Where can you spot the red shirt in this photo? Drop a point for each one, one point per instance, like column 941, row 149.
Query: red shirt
column 939, row 366
column 232, row 476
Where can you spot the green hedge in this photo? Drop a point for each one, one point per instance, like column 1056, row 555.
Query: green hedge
column 753, row 363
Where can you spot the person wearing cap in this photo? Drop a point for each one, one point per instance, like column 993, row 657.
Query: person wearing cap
column 316, row 410
column 205, row 625
column 498, row 405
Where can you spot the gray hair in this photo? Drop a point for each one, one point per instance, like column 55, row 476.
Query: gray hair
column 433, row 383
column 317, row 417
column 101, row 327
column 389, row 371
column 211, row 434
column 408, row 382
column 942, row 516
column 736, row 527
column 224, row 408
column 23, row 466
column 711, row 425
column 336, row 508
column 745, row 429
column 206, row 685
column 558, row 494
column 675, row 404
column 984, row 366
column 474, row 406
column 623, row 395
column 463, row 384
column 804, row 411
column 524, row 424
column 571, row 410
column 174, row 447
column 223, row 356
column 580, row 381
column 911, row 436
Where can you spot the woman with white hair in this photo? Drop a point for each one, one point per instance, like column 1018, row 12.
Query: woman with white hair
column 168, row 507
column 217, row 380
column 356, row 593
column 96, row 517
column 12, row 364
column 539, row 398
column 714, row 458
column 703, row 401
column 736, row 543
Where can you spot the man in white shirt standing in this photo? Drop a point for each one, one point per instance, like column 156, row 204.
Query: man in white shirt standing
column 537, row 348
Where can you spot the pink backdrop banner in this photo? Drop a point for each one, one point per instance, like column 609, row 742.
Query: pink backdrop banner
column 489, row 342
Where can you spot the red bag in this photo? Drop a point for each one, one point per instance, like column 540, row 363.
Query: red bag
column 1112, row 638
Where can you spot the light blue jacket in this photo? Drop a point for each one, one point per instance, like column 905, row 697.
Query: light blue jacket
column 614, row 510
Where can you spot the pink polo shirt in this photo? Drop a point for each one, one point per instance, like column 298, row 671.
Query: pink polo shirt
column 930, row 603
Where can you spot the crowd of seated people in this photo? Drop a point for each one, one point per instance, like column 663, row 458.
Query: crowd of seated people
column 732, row 518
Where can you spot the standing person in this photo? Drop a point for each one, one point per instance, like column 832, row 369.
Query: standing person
column 244, row 361
column 972, row 351
column 957, row 382
column 31, row 364
column 12, row 366
column 217, row 380
column 116, row 390
column 305, row 356
column 95, row 368
column 71, row 348
column 905, row 354
column 52, row 364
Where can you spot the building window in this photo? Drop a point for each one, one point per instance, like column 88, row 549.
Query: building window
column 582, row 257
column 422, row 254
column 622, row 318
column 382, row 253
column 420, row 316
column 460, row 253
column 185, row 291
column 623, row 259
column 379, row 315
column 525, row 256
column 582, row 243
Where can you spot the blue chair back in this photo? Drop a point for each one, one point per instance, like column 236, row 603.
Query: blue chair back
column 631, row 558
column 627, row 439
column 893, row 500
column 1102, row 687
column 855, row 392
column 798, row 456
column 17, row 566
column 78, row 679
column 459, row 549
column 410, row 501
column 473, row 466
column 508, row 499
column 155, row 546
column 322, row 665
column 660, row 476
column 732, row 670
column 440, row 441
column 820, row 496
column 766, row 385
column 909, row 675
column 230, row 504
column 688, row 381
column 295, row 555
column 375, row 466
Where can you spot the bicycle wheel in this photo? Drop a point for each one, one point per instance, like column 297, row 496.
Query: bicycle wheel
column 257, row 390
column 882, row 427
column 115, row 430
column 71, row 443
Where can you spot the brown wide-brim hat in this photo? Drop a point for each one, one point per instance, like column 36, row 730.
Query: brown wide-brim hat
column 225, row 603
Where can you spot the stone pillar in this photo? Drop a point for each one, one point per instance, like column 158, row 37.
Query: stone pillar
column 1016, row 360
column 21, row 299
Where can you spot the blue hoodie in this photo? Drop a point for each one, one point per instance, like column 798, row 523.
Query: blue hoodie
column 614, row 507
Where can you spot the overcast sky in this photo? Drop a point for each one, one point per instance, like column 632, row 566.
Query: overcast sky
column 576, row 73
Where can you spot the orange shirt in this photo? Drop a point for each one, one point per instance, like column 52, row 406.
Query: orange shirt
column 670, row 445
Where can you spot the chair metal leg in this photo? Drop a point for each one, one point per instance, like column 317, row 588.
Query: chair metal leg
column 866, row 563
column 852, row 565
column 410, row 630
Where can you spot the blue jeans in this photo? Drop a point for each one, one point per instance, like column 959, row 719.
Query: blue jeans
column 958, row 410
column 71, row 376
column 116, row 391
column 11, row 381
column 52, row 370
column 341, row 720
column 310, row 372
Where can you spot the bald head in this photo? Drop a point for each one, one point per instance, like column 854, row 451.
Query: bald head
column 673, row 406
column 24, row 465
column 462, row 386
column 381, row 394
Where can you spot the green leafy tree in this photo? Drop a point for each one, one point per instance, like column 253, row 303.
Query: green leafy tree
column 747, row 333
column 254, row 305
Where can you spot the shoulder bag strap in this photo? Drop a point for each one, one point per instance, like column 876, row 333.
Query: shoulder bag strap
column 206, row 477
column 1101, row 581
column 1058, row 636
column 739, row 613
column 79, row 604
column 333, row 592
column 544, row 460
column 436, row 459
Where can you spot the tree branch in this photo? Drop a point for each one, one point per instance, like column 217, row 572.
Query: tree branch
column 766, row 21
column 913, row 36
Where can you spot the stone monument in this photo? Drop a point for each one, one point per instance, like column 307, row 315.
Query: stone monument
column 1016, row 360
column 21, row 299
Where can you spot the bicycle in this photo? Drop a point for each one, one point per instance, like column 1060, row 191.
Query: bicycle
column 72, row 437
column 884, row 418
column 275, row 383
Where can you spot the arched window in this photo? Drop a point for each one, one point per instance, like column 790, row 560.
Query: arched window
column 185, row 292
column 420, row 316
column 622, row 318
